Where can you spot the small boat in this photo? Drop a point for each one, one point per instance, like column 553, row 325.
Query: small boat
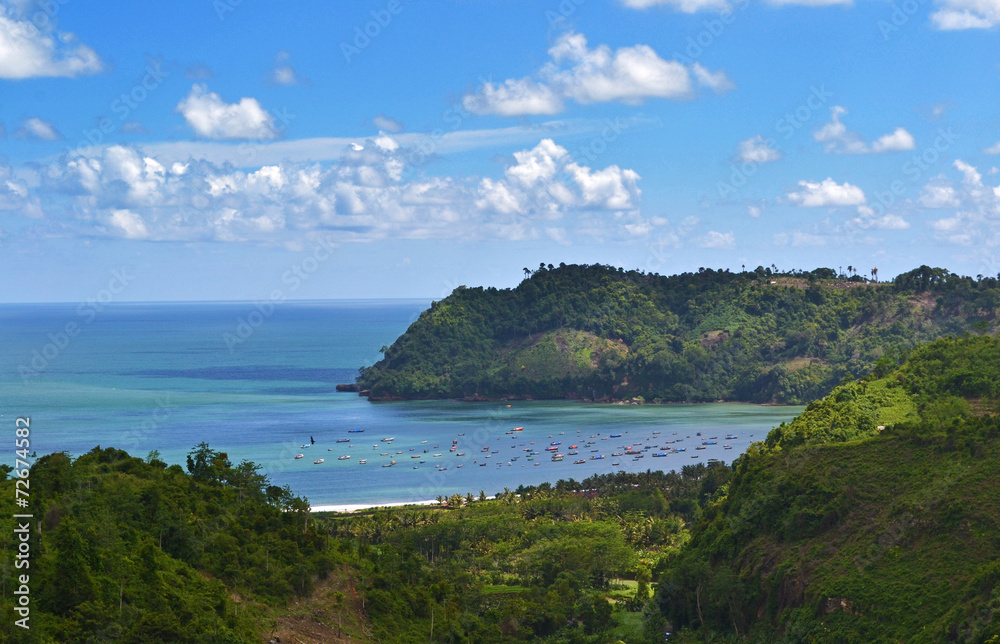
column 580, row 462
column 384, row 454
column 299, row 455
column 386, row 464
column 616, row 436
column 415, row 456
column 437, row 454
column 343, row 458
column 318, row 461
column 482, row 465
column 363, row 461
column 616, row 464
column 659, row 454
column 517, row 429
column 305, row 446
column 597, row 458
column 701, row 447
column 459, row 465
column 355, row 431
column 343, row 440
column 727, row 446
column 423, row 442
column 731, row 437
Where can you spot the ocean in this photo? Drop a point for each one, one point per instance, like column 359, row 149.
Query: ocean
column 258, row 382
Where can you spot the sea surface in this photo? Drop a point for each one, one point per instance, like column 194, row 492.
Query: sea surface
column 258, row 383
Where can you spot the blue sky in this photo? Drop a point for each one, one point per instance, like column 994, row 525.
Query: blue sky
column 239, row 149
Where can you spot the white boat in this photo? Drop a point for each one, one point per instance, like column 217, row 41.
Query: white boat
column 343, row 458
column 299, row 455
column 363, row 461
column 318, row 461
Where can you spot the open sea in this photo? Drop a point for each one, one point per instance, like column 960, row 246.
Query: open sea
column 258, row 383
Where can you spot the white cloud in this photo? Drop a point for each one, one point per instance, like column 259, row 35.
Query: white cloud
column 757, row 149
column 36, row 129
column 966, row 14
column 898, row 141
column 387, row 123
column 753, row 211
column 283, row 72
column 715, row 239
column 885, row 222
column 513, row 98
column 130, row 224
column 837, row 138
column 361, row 196
column 976, row 205
column 993, row 149
column 718, row 82
column 212, row 118
column 629, row 75
column 29, row 52
column 685, row 6
column 827, row 193
column 939, row 195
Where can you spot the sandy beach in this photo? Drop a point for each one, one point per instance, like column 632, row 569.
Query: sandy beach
column 353, row 507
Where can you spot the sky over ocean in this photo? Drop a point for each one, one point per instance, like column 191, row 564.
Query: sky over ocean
column 215, row 149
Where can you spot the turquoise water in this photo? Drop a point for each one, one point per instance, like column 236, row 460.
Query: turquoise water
column 258, row 383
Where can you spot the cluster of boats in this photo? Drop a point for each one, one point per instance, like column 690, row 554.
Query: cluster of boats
column 637, row 450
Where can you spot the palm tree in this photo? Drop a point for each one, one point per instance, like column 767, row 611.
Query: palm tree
column 527, row 271
column 875, row 274
column 850, row 269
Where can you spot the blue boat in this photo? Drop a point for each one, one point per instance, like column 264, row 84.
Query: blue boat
column 616, row 436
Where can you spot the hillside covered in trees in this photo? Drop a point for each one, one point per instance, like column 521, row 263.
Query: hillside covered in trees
column 601, row 333
column 874, row 516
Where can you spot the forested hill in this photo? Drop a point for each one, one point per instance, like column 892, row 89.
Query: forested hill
column 602, row 333
column 871, row 517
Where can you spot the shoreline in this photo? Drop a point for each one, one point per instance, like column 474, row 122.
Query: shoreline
column 354, row 507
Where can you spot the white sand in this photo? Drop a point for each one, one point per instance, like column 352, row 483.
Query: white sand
column 352, row 507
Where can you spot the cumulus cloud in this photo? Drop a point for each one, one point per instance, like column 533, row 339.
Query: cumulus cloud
column 212, row 118
column 966, row 14
column 757, row 149
column 543, row 191
column 576, row 72
column 827, row 193
column 898, row 141
column 685, row 6
column 835, row 137
column 26, row 51
column 36, row 129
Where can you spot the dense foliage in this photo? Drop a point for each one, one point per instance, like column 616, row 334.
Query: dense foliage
column 131, row 550
column 570, row 562
column 596, row 332
column 835, row 530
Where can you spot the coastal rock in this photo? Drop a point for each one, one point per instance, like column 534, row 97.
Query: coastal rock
column 347, row 387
